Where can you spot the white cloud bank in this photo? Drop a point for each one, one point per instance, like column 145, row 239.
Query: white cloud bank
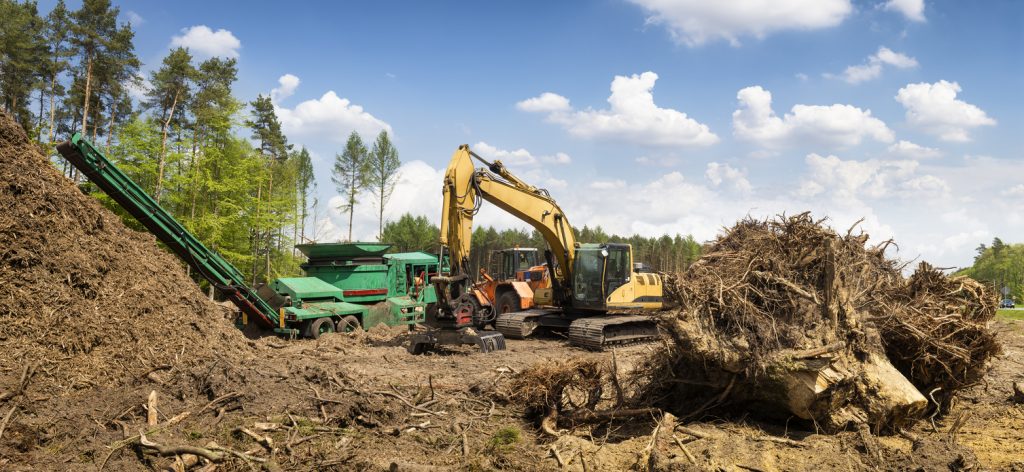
column 632, row 117
column 204, row 42
column 935, row 109
column 696, row 22
column 912, row 9
column 872, row 69
column 330, row 116
column 857, row 180
column 833, row 125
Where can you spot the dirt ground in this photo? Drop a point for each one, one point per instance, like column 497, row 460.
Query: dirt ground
column 360, row 402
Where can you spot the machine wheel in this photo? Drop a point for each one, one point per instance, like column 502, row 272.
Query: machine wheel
column 319, row 327
column 508, row 302
column 348, row 324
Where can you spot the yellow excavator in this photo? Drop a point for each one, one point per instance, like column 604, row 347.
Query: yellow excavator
column 595, row 293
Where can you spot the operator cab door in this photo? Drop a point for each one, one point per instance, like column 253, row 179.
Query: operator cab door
column 598, row 272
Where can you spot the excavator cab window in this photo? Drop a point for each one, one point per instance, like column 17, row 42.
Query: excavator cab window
column 514, row 261
column 617, row 268
column 588, row 275
column 598, row 272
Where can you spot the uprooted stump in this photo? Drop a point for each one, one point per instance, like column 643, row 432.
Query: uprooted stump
column 786, row 317
column 567, row 393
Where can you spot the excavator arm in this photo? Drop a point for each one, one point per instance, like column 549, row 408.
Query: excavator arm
column 466, row 186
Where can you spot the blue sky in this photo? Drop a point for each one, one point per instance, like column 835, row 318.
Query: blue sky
column 906, row 113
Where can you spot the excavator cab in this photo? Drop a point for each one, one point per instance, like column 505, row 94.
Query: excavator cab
column 599, row 270
column 506, row 264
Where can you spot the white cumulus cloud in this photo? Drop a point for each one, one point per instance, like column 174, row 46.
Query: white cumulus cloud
column 914, row 151
column 287, row 85
column 330, row 116
column 934, row 108
column 857, row 180
column 912, row 9
column 872, row 68
column 832, row 125
column 632, row 117
column 696, row 22
column 519, row 157
column 205, row 42
column 724, row 174
column 545, row 103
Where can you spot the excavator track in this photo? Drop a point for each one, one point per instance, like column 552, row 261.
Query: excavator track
column 599, row 332
column 516, row 325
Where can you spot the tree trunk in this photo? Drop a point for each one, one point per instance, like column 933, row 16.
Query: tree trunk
column 53, row 108
column 256, row 233
column 110, row 124
column 163, row 150
column 380, row 226
column 194, row 170
column 39, row 120
column 88, row 90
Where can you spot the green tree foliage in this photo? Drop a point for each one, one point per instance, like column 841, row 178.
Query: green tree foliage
column 22, row 43
column 999, row 265
column 383, row 166
column 665, row 253
column 351, row 174
column 93, row 31
column 172, row 86
column 411, row 233
column 276, row 195
column 305, row 188
column 58, row 40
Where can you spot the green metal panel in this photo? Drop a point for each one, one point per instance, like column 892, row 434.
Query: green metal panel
column 343, row 250
column 133, row 199
column 306, row 288
column 326, row 309
column 413, row 257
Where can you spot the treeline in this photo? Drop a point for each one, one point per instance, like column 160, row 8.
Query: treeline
column 999, row 265
column 185, row 138
column 416, row 233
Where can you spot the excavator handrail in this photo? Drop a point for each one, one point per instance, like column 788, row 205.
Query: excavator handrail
column 208, row 263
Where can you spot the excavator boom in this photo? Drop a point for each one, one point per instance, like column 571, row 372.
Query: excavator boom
column 464, row 188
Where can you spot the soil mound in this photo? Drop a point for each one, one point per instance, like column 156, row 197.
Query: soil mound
column 87, row 304
column 788, row 316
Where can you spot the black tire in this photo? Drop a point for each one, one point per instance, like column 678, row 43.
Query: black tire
column 320, row 327
column 348, row 324
column 508, row 302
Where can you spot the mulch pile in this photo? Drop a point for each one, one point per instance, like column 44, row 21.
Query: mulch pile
column 89, row 309
column 787, row 317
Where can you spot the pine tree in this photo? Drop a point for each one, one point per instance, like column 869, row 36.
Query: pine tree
column 21, row 45
column 383, row 175
column 171, row 88
column 58, row 35
column 350, row 174
column 306, row 185
column 274, row 148
column 93, row 28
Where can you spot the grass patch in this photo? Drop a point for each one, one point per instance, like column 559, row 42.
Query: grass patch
column 504, row 439
column 1016, row 315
